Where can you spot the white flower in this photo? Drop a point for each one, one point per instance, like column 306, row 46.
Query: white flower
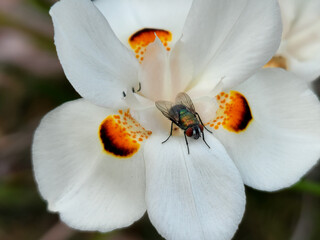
column 100, row 161
column 299, row 50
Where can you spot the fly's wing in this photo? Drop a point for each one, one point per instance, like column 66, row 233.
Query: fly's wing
column 165, row 107
column 184, row 99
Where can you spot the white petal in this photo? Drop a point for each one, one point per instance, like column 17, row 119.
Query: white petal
column 282, row 142
column 305, row 44
column 303, row 51
column 154, row 72
column 164, row 74
column 288, row 13
column 126, row 17
column 196, row 196
column 230, row 39
column 307, row 70
column 297, row 15
column 301, row 37
column 152, row 119
column 98, row 66
column 90, row 189
column 181, row 69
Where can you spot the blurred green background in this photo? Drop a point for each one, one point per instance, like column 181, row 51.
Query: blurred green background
column 32, row 83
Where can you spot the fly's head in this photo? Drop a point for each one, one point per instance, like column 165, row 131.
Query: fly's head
column 194, row 131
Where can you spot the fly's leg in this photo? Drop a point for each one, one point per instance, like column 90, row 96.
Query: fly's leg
column 205, row 140
column 185, row 137
column 203, row 124
column 170, row 133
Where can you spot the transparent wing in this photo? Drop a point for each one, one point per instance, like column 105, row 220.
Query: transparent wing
column 165, row 107
column 184, row 99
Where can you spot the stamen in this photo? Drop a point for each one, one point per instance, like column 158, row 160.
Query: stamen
column 139, row 89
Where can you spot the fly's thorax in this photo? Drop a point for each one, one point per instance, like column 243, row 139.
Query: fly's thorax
column 187, row 119
column 177, row 109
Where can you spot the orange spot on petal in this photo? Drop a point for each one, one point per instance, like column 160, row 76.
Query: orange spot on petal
column 235, row 113
column 147, row 36
column 119, row 138
column 115, row 141
column 141, row 39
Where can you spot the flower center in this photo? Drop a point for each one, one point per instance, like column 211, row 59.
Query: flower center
column 233, row 114
column 277, row 61
column 121, row 135
column 141, row 39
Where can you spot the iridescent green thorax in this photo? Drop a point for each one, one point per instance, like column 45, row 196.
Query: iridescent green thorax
column 187, row 118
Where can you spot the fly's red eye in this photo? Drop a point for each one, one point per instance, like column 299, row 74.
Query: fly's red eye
column 189, row 132
column 201, row 127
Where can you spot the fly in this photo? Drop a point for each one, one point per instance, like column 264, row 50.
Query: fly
column 183, row 114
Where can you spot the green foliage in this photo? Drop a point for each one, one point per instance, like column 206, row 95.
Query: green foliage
column 307, row 186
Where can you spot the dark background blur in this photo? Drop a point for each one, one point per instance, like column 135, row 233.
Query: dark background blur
column 32, row 83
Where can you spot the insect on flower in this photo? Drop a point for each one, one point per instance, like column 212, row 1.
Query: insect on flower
column 184, row 115
column 98, row 161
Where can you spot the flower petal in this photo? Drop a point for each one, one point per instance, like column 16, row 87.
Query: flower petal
column 307, row 70
column 127, row 17
column 92, row 190
column 164, row 74
column 196, row 196
column 181, row 69
column 154, row 72
column 305, row 44
column 303, row 51
column 288, row 13
column 300, row 44
column 282, row 141
column 96, row 63
column 230, row 43
column 298, row 15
